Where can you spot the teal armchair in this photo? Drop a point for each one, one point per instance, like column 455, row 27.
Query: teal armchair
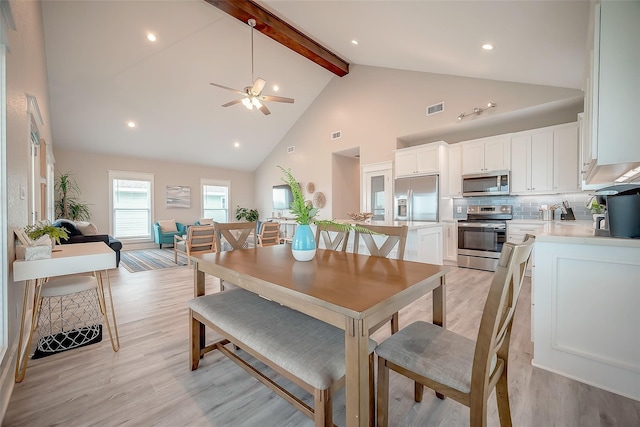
column 166, row 237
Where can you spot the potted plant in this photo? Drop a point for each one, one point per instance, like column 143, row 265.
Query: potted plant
column 39, row 229
column 67, row 204
column 250, row 215
column 303, row 245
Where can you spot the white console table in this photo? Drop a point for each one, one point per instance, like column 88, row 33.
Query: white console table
column 75, row 258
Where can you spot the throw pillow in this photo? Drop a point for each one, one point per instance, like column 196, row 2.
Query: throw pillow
column 168, row 226
column 205, row 221
column 87, row 228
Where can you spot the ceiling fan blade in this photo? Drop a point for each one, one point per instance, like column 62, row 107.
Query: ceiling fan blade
column 234, row 102
column 265, row 110
column 228, row 88
column 258, row 86
column 276, row 99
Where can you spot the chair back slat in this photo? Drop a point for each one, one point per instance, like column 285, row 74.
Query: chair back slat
column 392, row 236
column 237, row 234
column 269, row 234
column 333, row 238
column 497, row 317
column 201, row 238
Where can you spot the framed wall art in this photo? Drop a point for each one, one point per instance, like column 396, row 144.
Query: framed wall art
column 178, row 196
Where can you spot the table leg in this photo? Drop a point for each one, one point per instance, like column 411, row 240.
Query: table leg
column 115, row 345
column 199, row 290
column 439, row 312
column 357, row 372
column 22, row 356
column 440, row 304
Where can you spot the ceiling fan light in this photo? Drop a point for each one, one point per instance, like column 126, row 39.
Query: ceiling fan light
column 256, row 102
column 247, row 103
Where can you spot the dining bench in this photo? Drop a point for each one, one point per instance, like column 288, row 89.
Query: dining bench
column 305, row 350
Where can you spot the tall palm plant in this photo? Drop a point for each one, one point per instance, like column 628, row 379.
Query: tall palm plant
column 67, row 203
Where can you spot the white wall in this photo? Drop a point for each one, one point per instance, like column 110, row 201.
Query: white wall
column 26, row 74
column 374, row 107
column 91, row 172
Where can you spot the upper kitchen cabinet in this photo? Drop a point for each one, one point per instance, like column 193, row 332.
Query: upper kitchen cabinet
column 454, row 170
column 610, row 138
column 566, row 171
column 420, row 160
column 486, row 154
column 545, row 160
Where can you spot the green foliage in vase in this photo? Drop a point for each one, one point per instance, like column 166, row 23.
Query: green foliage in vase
column 305, row 213
column 39, row 229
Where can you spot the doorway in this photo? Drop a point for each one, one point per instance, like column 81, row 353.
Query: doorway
column 377, row 191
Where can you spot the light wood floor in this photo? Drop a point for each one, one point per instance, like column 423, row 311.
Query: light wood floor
column 148, row 382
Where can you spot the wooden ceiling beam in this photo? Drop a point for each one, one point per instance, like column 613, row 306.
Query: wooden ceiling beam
column 272, row 26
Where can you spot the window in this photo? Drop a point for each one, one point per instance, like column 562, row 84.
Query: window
column 131, row 202
column 215, row 200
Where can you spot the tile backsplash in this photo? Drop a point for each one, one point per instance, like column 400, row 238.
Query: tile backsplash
column 527, row 207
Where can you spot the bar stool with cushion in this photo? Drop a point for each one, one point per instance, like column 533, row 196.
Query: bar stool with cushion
column 381, row 244
column 454, row 365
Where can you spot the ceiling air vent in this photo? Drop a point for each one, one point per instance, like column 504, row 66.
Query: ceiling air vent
column 291, row 149
column 435, row 108
column 336, row 135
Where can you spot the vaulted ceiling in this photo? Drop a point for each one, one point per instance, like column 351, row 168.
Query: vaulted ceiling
column 104, row 72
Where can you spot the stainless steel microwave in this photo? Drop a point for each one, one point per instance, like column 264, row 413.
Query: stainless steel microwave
column 486, row 184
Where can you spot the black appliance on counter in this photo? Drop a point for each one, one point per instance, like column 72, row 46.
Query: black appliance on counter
column 481, row 236
column 622, row 215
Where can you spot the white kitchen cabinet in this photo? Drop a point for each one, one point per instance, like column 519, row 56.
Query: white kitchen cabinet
column 566, row 175
column 486, row 154
column 586, row 315
column 610, row 143
column 424, row 245
column 420, row 160
column 454, row 171
column 516, row 232
column 545, row 160
column 532, row 162
column 450, row 241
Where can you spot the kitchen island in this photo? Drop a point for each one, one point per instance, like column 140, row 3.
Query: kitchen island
column 586, row 307
column 424, row 240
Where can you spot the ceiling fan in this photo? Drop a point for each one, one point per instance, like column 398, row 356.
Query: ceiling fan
column 252, row 95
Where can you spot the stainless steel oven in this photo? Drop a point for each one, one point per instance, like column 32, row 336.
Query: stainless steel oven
column 481, row 236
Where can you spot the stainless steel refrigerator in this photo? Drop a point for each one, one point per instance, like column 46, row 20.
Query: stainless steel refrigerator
column 416, row 198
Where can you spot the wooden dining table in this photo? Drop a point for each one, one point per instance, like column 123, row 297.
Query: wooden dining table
column 350, row 291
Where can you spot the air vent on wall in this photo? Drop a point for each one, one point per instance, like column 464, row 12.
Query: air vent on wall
column 336, row 135
column 435, row 108
column 291, row 149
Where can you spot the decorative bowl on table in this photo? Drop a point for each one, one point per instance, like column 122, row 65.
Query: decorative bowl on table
column 360, row 216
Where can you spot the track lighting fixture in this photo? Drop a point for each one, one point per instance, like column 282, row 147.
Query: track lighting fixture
column 477, row 111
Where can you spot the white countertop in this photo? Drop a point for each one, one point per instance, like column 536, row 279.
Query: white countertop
column 413, row 225
column 578, row 232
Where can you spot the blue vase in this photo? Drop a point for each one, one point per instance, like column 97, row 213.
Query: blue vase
column 303, row 245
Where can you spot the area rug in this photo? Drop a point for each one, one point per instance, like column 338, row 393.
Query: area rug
column 150, row 259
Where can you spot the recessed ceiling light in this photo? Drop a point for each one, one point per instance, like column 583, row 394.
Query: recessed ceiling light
column 276, row 88
column 131, row 124
column 151, row 37
column 354, row 42
column 236, row 144
column 487, row 46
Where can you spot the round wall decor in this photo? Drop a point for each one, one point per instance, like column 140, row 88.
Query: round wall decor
column 311, row 188
column 319, row 200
